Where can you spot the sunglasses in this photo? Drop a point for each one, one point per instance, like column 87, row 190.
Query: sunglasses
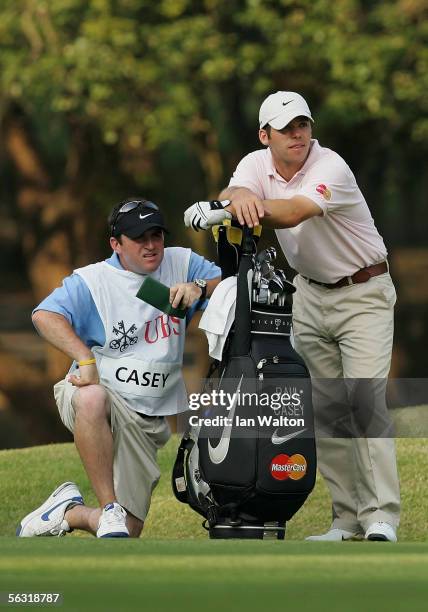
column 127, row 207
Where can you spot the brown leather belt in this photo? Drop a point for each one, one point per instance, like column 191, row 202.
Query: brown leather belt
column 361, row 276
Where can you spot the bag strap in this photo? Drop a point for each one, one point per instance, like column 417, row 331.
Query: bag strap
column 242, row 338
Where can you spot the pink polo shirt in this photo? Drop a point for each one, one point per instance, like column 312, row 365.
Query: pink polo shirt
column 328, row 247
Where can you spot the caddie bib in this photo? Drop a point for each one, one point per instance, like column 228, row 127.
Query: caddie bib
column 143, row 352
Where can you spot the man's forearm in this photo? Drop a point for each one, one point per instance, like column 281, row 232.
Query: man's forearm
column 289, row 212
column 57, row 331
column 247, row 207
column 230, row 192
column 212, row 284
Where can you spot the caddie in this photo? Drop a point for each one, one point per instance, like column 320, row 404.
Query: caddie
column 343, row 308
column 126, row 375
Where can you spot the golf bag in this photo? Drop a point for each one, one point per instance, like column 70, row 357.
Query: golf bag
column 248, row 466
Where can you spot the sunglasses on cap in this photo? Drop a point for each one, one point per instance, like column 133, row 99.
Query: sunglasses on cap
column 127, row 207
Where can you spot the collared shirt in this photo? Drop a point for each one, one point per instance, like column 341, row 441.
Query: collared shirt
column 74, row 301
column 328, row 247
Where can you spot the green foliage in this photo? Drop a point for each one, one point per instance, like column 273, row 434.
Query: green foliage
column 143, row 78
column 145, row 71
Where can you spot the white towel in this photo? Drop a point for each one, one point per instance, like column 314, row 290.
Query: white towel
column 219, row 316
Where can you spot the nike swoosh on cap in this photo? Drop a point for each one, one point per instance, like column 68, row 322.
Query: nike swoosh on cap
column 144, row 216
column 281, row 439
column 219, row 453
column 285, row 103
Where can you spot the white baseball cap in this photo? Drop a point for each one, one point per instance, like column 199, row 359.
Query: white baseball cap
column 282, row 107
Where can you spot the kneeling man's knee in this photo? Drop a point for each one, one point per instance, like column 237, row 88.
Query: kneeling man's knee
column 91, row 402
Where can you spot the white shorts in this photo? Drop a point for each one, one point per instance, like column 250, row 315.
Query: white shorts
column 136, row 442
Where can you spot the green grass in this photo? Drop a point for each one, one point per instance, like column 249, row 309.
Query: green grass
column 175, row 567
column 218, row 576
column 411, row 422
column 27, row 476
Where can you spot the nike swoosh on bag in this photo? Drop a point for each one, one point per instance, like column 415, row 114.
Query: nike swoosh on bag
column 219, row 453
column 144, row 216
column 281, row 439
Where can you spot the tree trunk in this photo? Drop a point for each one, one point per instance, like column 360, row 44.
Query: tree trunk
column 47, row 220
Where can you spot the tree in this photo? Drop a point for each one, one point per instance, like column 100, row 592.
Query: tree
column 105, row 98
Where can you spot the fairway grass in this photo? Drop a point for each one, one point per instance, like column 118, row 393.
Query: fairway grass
column 175, row 567
column 218, row 576
column 29, row 475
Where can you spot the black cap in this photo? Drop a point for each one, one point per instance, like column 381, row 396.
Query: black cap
column 134, row 223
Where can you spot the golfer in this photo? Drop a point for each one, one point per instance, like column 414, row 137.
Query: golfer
column 343, row 306
column 126, row 374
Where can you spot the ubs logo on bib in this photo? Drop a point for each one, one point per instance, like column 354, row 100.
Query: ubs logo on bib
column 162, row 327
column 125, row 339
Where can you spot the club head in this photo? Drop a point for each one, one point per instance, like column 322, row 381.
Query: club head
column 289, row 287
column 262, row 256
column 268, row 254
column 275, row 284
column 272, row 252
column 267, row 270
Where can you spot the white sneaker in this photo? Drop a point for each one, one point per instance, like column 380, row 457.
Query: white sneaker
column 333, row 535
column 48, row 519
column 112, row 523
column 381, row 532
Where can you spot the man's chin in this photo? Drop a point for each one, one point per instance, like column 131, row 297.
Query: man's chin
column 300, row 153
column 149, row 266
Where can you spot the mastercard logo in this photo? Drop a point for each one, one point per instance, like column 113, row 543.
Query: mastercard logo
column 284, row 466
column 324, row 191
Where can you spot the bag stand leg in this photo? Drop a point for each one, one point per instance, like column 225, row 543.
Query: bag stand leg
column 227, row 529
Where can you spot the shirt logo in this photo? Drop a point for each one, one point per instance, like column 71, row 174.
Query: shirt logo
column 324, row 191
column 124, row 339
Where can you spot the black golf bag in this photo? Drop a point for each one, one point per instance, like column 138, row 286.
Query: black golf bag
column 249, row 463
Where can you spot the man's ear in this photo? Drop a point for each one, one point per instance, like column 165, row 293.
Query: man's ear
column 263, row 137
column 115, row 244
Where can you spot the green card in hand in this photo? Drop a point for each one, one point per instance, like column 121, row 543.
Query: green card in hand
column 156, row 294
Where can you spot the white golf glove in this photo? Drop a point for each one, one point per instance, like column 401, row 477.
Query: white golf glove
column 202, row 215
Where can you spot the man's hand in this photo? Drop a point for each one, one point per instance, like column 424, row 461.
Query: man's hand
column 58, row 331
column 88, row 376
column 246, row 206
column 202, row 215
column 183, row 295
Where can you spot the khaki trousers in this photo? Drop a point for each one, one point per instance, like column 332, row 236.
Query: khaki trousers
column 136, row 439
column 347, row 334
